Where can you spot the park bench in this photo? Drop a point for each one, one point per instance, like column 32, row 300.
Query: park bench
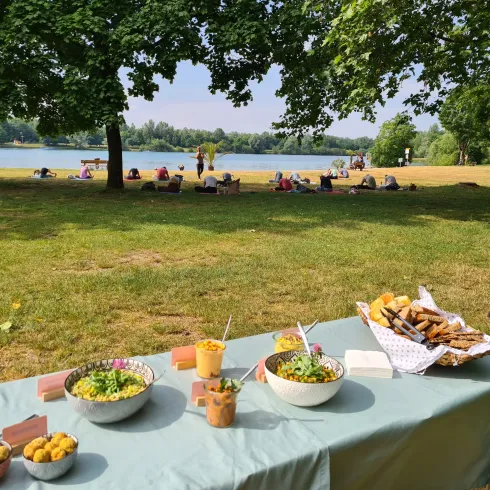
column 95, row 164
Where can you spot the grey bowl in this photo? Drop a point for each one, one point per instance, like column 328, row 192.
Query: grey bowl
column 50, row 471
column 108, row 412
column 303, row 394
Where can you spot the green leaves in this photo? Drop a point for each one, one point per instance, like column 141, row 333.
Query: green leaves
column 112, row 382
column 5, row 327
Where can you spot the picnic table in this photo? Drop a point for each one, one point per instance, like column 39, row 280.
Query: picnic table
column 410, row 432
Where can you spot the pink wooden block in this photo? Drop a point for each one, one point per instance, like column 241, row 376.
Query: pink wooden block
column 51, row 383
column 260, row 373
column 197, row 394
column 182, row 354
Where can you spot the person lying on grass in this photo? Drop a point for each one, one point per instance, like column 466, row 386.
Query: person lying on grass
column 173, row 185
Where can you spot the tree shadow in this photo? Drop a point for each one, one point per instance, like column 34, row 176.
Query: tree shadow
column 164, row 400
column 42, row 210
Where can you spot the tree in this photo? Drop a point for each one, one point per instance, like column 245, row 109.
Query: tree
column 80, row 140
column 351, row 56
column 3, row 136
column 61, row 60
column 444, row 150
column 394, row 136
column 466, row 114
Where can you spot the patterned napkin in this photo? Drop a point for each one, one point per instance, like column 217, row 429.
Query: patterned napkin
column 410, row 357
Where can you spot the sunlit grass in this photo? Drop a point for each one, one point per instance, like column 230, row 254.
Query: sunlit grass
column 112, row 274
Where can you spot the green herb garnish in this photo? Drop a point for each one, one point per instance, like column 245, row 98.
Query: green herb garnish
column 112, row 382
column 305, row 367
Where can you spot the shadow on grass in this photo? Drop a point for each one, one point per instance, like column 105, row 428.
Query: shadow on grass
column 42, row 209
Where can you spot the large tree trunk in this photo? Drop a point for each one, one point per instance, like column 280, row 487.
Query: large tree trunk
column 115, row 165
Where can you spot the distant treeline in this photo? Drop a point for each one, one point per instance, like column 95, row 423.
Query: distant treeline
column 163, row 137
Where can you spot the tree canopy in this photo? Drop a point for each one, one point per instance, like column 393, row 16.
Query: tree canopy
column 356, row 54
column 61, row 60
column 394, row 136
column 466, row 114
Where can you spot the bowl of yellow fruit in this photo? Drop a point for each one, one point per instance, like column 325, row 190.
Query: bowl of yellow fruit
column 5, row 457
column 51, row 455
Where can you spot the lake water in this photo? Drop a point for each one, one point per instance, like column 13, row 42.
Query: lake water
column 70, row 159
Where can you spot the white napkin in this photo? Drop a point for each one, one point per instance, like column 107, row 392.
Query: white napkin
column 368, row 363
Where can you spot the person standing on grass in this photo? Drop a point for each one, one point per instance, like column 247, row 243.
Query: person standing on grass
column 200, row 162
column 368, row 182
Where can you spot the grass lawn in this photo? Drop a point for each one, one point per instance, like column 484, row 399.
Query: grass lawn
column 101, row 274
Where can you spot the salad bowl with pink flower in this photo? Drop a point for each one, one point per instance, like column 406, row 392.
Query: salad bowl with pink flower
column 304, row 380
column 109, row 390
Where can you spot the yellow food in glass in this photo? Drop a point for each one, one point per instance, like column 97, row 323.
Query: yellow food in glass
column 209, row 357
column 41, row 456
column 4, row 453
column 287, row 342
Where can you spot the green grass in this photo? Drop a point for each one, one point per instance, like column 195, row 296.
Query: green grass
column 102, row 274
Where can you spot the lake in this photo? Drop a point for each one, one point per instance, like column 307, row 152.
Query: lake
column 55, row 158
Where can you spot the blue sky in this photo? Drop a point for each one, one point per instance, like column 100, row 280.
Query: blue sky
column 188, row 103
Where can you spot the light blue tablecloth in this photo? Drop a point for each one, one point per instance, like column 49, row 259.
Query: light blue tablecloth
column 410, row 432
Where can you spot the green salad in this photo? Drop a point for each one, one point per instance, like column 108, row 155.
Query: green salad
column 305, row 369
column 109, row 386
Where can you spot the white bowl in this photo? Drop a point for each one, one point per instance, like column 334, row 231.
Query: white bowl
column 303, row 394
column 108, row 412
column 50, row 471
column 4, row 467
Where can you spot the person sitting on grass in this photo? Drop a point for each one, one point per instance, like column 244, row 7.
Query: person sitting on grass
column 161, row 174
column 285, row 185
column 332, row 173
column 344, row 173
column 390, row 183
column 45, row 173
column 85, row 173
column 227, row 178
column 173, row 185
column 210, row 185
column 295, row 178
column 134, row 174
column 368, row 182
column 325, row 184
column 277, row 178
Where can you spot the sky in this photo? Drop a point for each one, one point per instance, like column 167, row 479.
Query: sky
column 188, row 103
